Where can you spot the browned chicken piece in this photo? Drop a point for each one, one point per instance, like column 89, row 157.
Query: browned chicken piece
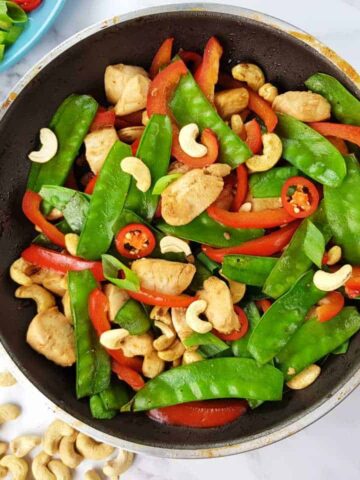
column 97, row 147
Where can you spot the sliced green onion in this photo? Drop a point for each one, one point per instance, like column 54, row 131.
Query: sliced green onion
column 112, row 266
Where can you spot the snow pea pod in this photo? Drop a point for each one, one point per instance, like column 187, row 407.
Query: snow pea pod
column 209, row 345
column 106, row 205
column 204, row 229
column 314, row 340
column 240, row 347
column 99, row 410
column 202, row 273
column 207, row 380
column 344, row 106
column 189, row 105
column 133, row 317
column 310, row 152
column 154, row 150
column 269, row 184
column 294, row 261
column 343, row 213
column 248, row 269
column 70, row 123
column 115, row 396
column 283, row 318
column 93, row 368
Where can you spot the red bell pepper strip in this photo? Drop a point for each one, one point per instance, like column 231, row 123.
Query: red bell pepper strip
column 303, row 201
column 264, row 219
column 135, row 146
column 253, row 136
column 329, row 306
column 241, row 188
column 128, row 375
column 150, row 297
column 351, row 133
column 205, row 414
column 61, row 262
column 207, row 73
column 28, row 5
column 31, row 208
column 188, row 56
column 264, row 304
column 103, row 119
column 91, row 185
column 162, row 87
column 263, row 110
column 162, row 57
column 208, row 138
column 339, row 144
column 265, row 246
column 236, row 334
column 352, row 286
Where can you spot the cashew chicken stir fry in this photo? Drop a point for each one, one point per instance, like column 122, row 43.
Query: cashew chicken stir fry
column 205, row 245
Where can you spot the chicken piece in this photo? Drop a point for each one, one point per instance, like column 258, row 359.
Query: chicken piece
column 51, row 335
column 259, row 204
column 178, row 317
column 219, row 310
column 190, row 195
column 97, row 147
column 163, row 276
column 178, row 167
column 51, row 280
column 117, row 79
column 116, row 298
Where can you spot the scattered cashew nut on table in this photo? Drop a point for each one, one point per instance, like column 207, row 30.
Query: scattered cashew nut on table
column 8, row 412
column 6, row 379
column 122, row 463
column 24, row 444
column 67, row 451
column 91, row 449
column 18, row 467
column 53, row 435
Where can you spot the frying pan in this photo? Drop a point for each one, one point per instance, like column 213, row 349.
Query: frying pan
column 78, row 66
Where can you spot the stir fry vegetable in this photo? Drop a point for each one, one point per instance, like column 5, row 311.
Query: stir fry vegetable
column 202, row 232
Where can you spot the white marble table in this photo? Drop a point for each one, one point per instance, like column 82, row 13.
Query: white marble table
column 328, row 450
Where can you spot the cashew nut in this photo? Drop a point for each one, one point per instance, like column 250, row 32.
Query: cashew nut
column 130, row 134
column 49, row 147
column 229, row 102
column 305, row 106
column 66, row 303
column 8, row 412
column 3, row 472
column 166, row 339
column 245, row 207
column 55, row 214
column 53, row 281
column 92, row 475
column 23, row 445
column 328, row 282
column 145, row 118
column 67, row 452
column 172, row 244
column 119, row 465
column 176, row 351
column 218, row 169
column 6, row 379
column 272, row 150
column 92, row 450
column 18, row 467
column 152, row 365
column 19, row 272
column 334, row 255
column 194, row 321
column 137, row 169
column 71, row 243
column 237, row 124
column 181, row 327
column 162, row 314
column 191, row 357
column 134, row 345
column 40, row 468
column 43, row 299
column 268, row 92
column 116, row 298
column 60, row 470
column 112, row 339
column 188, row 143
column 3, row 449
column 305, row 378
column 250, row 74
column 53, row 435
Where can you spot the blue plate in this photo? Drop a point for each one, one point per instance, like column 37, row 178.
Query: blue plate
column 40, row 20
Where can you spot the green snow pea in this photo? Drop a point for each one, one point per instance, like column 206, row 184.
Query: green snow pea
column 248, row 269
column 93, row 367
column 344, row 106
column 204, row 229
column 294, row 261
column 314, row 244
column 208, row 343
column 269, row 184
column 343, row 212
column 2, row 51
column 314, row 340
column 154, row 150
column 189, row 105
column 310, row 152
column 115, row 396
column 343, row 348
column 99, row 410
column 70, row 123
column 133, row 317
column 10, row 37
column 209, row 379
column 240, row 347
column 106, row 205
column 283, row 318
column 202, row 273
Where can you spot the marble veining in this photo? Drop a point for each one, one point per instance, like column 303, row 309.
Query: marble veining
column 327, row 450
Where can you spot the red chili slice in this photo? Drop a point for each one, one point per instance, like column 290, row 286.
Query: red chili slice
column 135, row 241
column 303, row 201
